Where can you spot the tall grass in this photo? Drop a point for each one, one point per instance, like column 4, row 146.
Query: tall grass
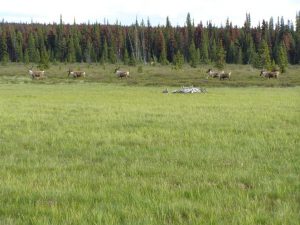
column 113, row 154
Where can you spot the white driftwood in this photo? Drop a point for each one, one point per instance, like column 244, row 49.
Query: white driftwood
column 190, row 90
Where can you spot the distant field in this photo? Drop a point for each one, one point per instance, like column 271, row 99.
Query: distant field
column 242, row 75
column 96, row 153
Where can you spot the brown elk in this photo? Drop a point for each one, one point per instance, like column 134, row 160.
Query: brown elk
column 213, row 74
column 76, row 74
column 224, row 75
column 268, row 74
column 36, row 74
column 121, row 73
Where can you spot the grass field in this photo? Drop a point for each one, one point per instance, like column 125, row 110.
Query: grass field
column 96, row 153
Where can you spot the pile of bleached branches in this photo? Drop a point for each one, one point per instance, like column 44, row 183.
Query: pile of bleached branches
column 190, row 90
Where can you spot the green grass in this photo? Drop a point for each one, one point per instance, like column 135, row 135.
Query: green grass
column 242, row 75
column 95, row 153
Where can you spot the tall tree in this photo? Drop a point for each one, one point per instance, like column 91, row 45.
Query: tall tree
column 282, row 58
column 264, row 56
column 220, row 58
column 3, row 48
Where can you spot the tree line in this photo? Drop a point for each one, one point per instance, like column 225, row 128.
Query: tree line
column 268, row 45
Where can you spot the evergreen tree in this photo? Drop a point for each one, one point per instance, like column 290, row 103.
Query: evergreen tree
column 71, row 56
column 3, row 49
column 282, row 58
column 213, row 51
column 220, row 58
column 264, row 56
column 104, row 57
column 204, row 57
column 44, row 62
column 193, row 55
column 19, row 47
column 162, row 49
column 178, row 60
column 126, row 57
column 26, row 57
column 32, row 53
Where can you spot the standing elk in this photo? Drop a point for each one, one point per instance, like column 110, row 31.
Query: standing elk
column 121, row 73
column 76, row 74
column 213, row 74
column 224, row 75
column 267, row 74
column 35, row 74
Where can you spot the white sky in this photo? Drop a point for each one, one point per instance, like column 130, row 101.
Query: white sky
column 127, row 11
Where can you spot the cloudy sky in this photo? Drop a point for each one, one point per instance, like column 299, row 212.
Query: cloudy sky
column 156, row 10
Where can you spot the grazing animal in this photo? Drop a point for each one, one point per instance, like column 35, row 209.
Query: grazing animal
column 36, row 74
column 267, row 74
column 121, row 73
column 224, row 75
column 213, row 74
column 76, row 74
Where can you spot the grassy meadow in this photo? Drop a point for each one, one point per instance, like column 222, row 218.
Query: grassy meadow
column 106, row 151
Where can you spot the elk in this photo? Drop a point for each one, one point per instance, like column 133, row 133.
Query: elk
column 121, row 73
column 224, row 75
column 267, row 74
column 35, row 74
column 213, row 74
column 76, row 74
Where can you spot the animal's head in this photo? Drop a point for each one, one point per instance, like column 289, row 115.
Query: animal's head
column 69, row 72
column 261, row 73
column 208, row 70
column 117, row 68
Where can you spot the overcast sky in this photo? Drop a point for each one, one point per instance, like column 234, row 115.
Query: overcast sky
column 156, row 10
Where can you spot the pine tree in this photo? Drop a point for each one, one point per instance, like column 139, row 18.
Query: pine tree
column 204, row 57
column 71, row 56
column 220, row 58
column 26, row 57
column 126, row 57
column 264, row 56
column 213, row 51
column 44, row 62
column 104, row 56
column 19, row 47
column 162, row 49
column 178, row 60
column 193, row 55
column 3, row 49
column 282, row 58
column 32, row 53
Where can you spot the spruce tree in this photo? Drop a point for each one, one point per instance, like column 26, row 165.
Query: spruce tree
column 264, row 56
column 3, row 49
column 220, row 57
column 32, row 53
column 71, row 56
column 44, row 62
column 126, row 57
column 193, row 55
column 213, row 51
column 204, row 57
column 282, row 58
column 178, row 60
column 104, row 56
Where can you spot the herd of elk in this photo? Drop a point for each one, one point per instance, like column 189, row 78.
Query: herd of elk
column 222, row 75
column 121, row 73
